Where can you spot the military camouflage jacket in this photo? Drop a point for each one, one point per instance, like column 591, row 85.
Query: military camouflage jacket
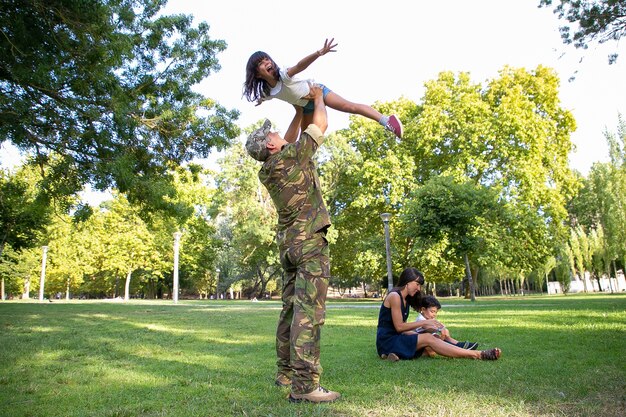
column 290, row 177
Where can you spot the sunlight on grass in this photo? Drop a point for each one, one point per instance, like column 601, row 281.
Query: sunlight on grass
column 198, row 359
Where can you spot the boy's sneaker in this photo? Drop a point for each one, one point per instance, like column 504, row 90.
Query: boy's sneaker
column 319, row 395
column 394, row 125
column 467, row 345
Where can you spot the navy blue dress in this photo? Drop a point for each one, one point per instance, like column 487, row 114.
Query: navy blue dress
column 388, row 340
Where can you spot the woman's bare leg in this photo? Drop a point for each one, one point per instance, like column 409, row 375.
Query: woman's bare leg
column 336, row 102
column 445, row 349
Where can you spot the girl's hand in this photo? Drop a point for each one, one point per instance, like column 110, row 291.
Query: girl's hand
column 328, row 47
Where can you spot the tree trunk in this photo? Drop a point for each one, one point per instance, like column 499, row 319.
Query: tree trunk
column 67, row 290
column 26, row 294
column 117, row 286
column 615, row 272
column 2, row 290
column 468, row 274
column 127, row 286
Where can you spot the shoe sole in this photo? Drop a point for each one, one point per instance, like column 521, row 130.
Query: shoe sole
column 305, row 400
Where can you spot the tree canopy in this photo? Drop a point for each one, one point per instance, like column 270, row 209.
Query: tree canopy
column 106, row 86
column 589, row 21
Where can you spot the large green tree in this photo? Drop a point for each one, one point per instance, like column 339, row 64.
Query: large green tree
column 107, row 85
column 24, row 209
column 590, row 21
column 510, row 133
column 466, row 217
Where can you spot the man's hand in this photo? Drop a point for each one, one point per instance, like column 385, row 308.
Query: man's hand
column 314, row 90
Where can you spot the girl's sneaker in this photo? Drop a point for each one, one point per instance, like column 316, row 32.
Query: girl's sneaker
column 394, row 125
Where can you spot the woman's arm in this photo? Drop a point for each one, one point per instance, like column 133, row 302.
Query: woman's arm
column 396, row 316
column 308, row 60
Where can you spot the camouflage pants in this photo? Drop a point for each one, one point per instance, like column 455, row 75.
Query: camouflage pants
column 305, row 281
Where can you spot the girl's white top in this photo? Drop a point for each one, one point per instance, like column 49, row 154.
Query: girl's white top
column 290, row 90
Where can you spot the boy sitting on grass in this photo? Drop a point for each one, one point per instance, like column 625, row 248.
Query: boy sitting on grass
column 429, row 307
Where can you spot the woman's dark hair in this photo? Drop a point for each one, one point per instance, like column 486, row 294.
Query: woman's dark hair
column 409, row 275
column 255, row 88
column 429, row 301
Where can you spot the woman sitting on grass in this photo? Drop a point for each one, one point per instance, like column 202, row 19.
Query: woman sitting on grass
column 396, row 338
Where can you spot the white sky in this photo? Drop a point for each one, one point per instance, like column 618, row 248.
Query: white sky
column 387, row 50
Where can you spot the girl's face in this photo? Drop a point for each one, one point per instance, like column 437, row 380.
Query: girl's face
column 413, row 287
column 266, row 69
column 429, row 313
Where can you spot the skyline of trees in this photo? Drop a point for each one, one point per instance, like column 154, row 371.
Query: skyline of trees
column 232, row 230
column 103, row 96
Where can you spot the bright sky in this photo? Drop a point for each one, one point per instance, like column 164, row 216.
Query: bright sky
column 388, row 49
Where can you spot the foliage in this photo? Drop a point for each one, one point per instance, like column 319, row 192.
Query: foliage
column 590, row 20
column 107, row 86
column 510, row 134
column 468, row 217
column 600, row 202
column 24, row 209
column 20, row 270
column 247, row 225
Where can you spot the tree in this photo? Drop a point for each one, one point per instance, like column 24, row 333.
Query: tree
column 24, row 209
column 247, row 224
column 107, row 86
column 355, row 166
column 590, row 21
column 511, row 134
column 467, row 216
column 563, row 268
column 600, row 202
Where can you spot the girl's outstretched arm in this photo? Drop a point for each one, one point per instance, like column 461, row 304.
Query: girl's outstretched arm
column 308, row 60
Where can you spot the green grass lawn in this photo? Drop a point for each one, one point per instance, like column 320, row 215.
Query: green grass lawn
column 562, row 356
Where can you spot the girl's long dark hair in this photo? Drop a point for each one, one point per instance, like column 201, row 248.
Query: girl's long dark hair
column 255, row 88
column 408, row 275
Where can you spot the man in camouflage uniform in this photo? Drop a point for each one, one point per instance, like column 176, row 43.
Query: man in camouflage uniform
column 290, row 175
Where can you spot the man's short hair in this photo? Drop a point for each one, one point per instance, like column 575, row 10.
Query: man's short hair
column 256, row 145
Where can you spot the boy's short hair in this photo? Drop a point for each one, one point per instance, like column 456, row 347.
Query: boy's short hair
column 428, row 301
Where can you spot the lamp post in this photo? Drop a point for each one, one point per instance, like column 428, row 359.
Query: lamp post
column 42, row 278
column 176, row 247
column 385, row 218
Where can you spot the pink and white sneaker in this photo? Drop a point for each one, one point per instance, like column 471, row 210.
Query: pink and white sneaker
column 395, row 125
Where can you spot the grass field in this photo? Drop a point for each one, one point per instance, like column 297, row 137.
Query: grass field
column 562, row 356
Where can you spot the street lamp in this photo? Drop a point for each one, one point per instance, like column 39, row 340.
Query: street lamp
column 385, row 218
column 42, row 278
column 176, row 247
